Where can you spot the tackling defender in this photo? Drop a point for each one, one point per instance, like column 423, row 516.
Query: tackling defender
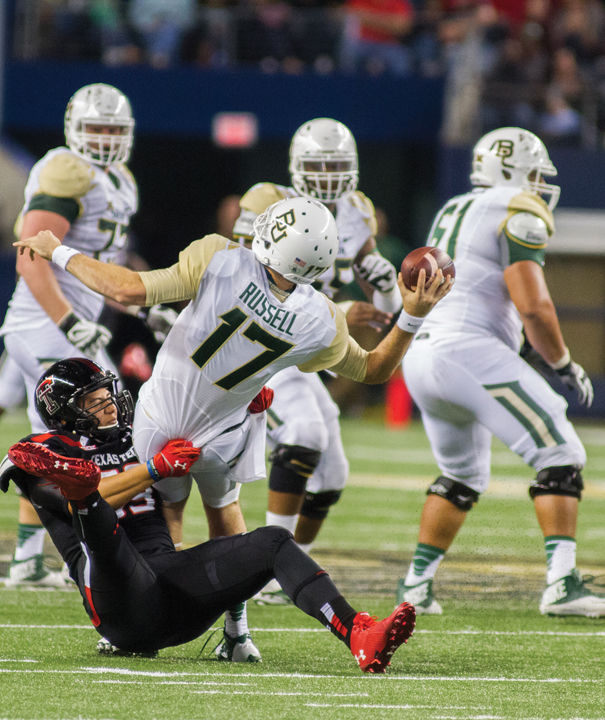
column 309, row 468
column 138, row 592
column 466, row 376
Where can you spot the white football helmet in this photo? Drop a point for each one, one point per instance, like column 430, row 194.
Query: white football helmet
column 323, row 160
column 297, row 237
column 98, row 105
column 513, row 156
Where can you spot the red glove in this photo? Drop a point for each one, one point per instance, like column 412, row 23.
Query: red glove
column 75, row 477
column 174, row 459
column 262, row 401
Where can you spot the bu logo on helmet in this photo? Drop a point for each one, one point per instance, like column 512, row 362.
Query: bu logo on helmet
column 280, row 227
column 503, row 149
column 44, row 394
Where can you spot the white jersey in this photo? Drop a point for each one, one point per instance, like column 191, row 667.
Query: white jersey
column 355, row 222
column 99, row 204
column 234, row 335
column 479, row 231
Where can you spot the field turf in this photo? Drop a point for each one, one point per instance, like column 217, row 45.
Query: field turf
column 490, row 656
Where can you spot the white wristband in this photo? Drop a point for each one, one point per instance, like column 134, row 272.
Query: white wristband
column 409, row 323
column 63, row 254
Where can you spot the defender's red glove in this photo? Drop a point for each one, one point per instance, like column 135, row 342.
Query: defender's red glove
column 76, row 478
column 174, row 459
column 262, row 401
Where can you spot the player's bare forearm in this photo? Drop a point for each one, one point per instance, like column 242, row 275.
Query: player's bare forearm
column 543, row 331
column 113, row 281
column 117, row 490
column 385, row 358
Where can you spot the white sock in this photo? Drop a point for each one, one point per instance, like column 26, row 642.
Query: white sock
column 305, row 546
column 236, row 620
column 424, row 564
column 285, row 521
column 560, row 557
column 30, row 542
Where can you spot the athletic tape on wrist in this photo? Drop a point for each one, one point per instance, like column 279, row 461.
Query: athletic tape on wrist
column 409, row 323
column 562, row 362
column 63, row 254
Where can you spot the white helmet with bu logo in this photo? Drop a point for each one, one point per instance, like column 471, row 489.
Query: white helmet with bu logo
column 323, row 160
column 296, row 237
column 99, row 105
column 513, row 156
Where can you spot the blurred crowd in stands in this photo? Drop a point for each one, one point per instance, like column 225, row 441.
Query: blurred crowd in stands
column 535, row 63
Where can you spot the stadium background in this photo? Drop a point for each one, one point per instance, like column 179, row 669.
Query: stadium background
column 414, row 129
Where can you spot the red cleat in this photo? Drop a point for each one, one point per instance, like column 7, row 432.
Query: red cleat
column 76, row 478
column 373, row 642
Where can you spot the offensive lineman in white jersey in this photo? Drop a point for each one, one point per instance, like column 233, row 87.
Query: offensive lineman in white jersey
column 252, row 314
column 465, row 373
column 309, row 468
column 84, row 193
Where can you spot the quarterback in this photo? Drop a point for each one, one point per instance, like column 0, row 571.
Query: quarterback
column 308, row 464
column 86, row 195
column 466, row 376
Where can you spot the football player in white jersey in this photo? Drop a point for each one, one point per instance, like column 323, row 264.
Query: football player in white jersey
column 86, row 195
column 466, row 376
column 251, row 314
column 308, row 464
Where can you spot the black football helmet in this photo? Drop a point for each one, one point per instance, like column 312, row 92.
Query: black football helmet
column 60, row 388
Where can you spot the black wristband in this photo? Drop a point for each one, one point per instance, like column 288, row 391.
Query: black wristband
column 68, row 322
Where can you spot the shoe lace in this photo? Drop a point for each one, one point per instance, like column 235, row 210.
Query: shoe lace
column 208, row 639
column 364, row 620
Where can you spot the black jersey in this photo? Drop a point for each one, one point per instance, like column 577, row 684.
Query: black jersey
column 141, row 518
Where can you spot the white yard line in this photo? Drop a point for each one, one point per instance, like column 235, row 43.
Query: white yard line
column 88, row 671
column 511, row 633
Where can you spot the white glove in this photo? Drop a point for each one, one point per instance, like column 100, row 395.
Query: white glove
column 576, row 379
column 86, row 335
column 377, row 271
column 160, row 320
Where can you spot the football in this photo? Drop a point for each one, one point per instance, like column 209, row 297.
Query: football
column 429, row 258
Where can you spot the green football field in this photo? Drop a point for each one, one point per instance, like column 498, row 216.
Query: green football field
column 491, row 654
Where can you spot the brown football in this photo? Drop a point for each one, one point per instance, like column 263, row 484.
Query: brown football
column 429, row 259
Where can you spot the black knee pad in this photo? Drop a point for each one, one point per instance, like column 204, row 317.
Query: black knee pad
column 317, row 505
column 560, row 480
column 291, row 467
column 460, row 495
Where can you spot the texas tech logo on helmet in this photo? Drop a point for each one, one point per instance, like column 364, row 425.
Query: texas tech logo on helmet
column 44, row 394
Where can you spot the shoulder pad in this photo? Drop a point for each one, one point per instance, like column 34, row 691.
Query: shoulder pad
column 260, row 196
column 366, row 207
column 530, row 203
column 527, row 229
column 66, row 176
